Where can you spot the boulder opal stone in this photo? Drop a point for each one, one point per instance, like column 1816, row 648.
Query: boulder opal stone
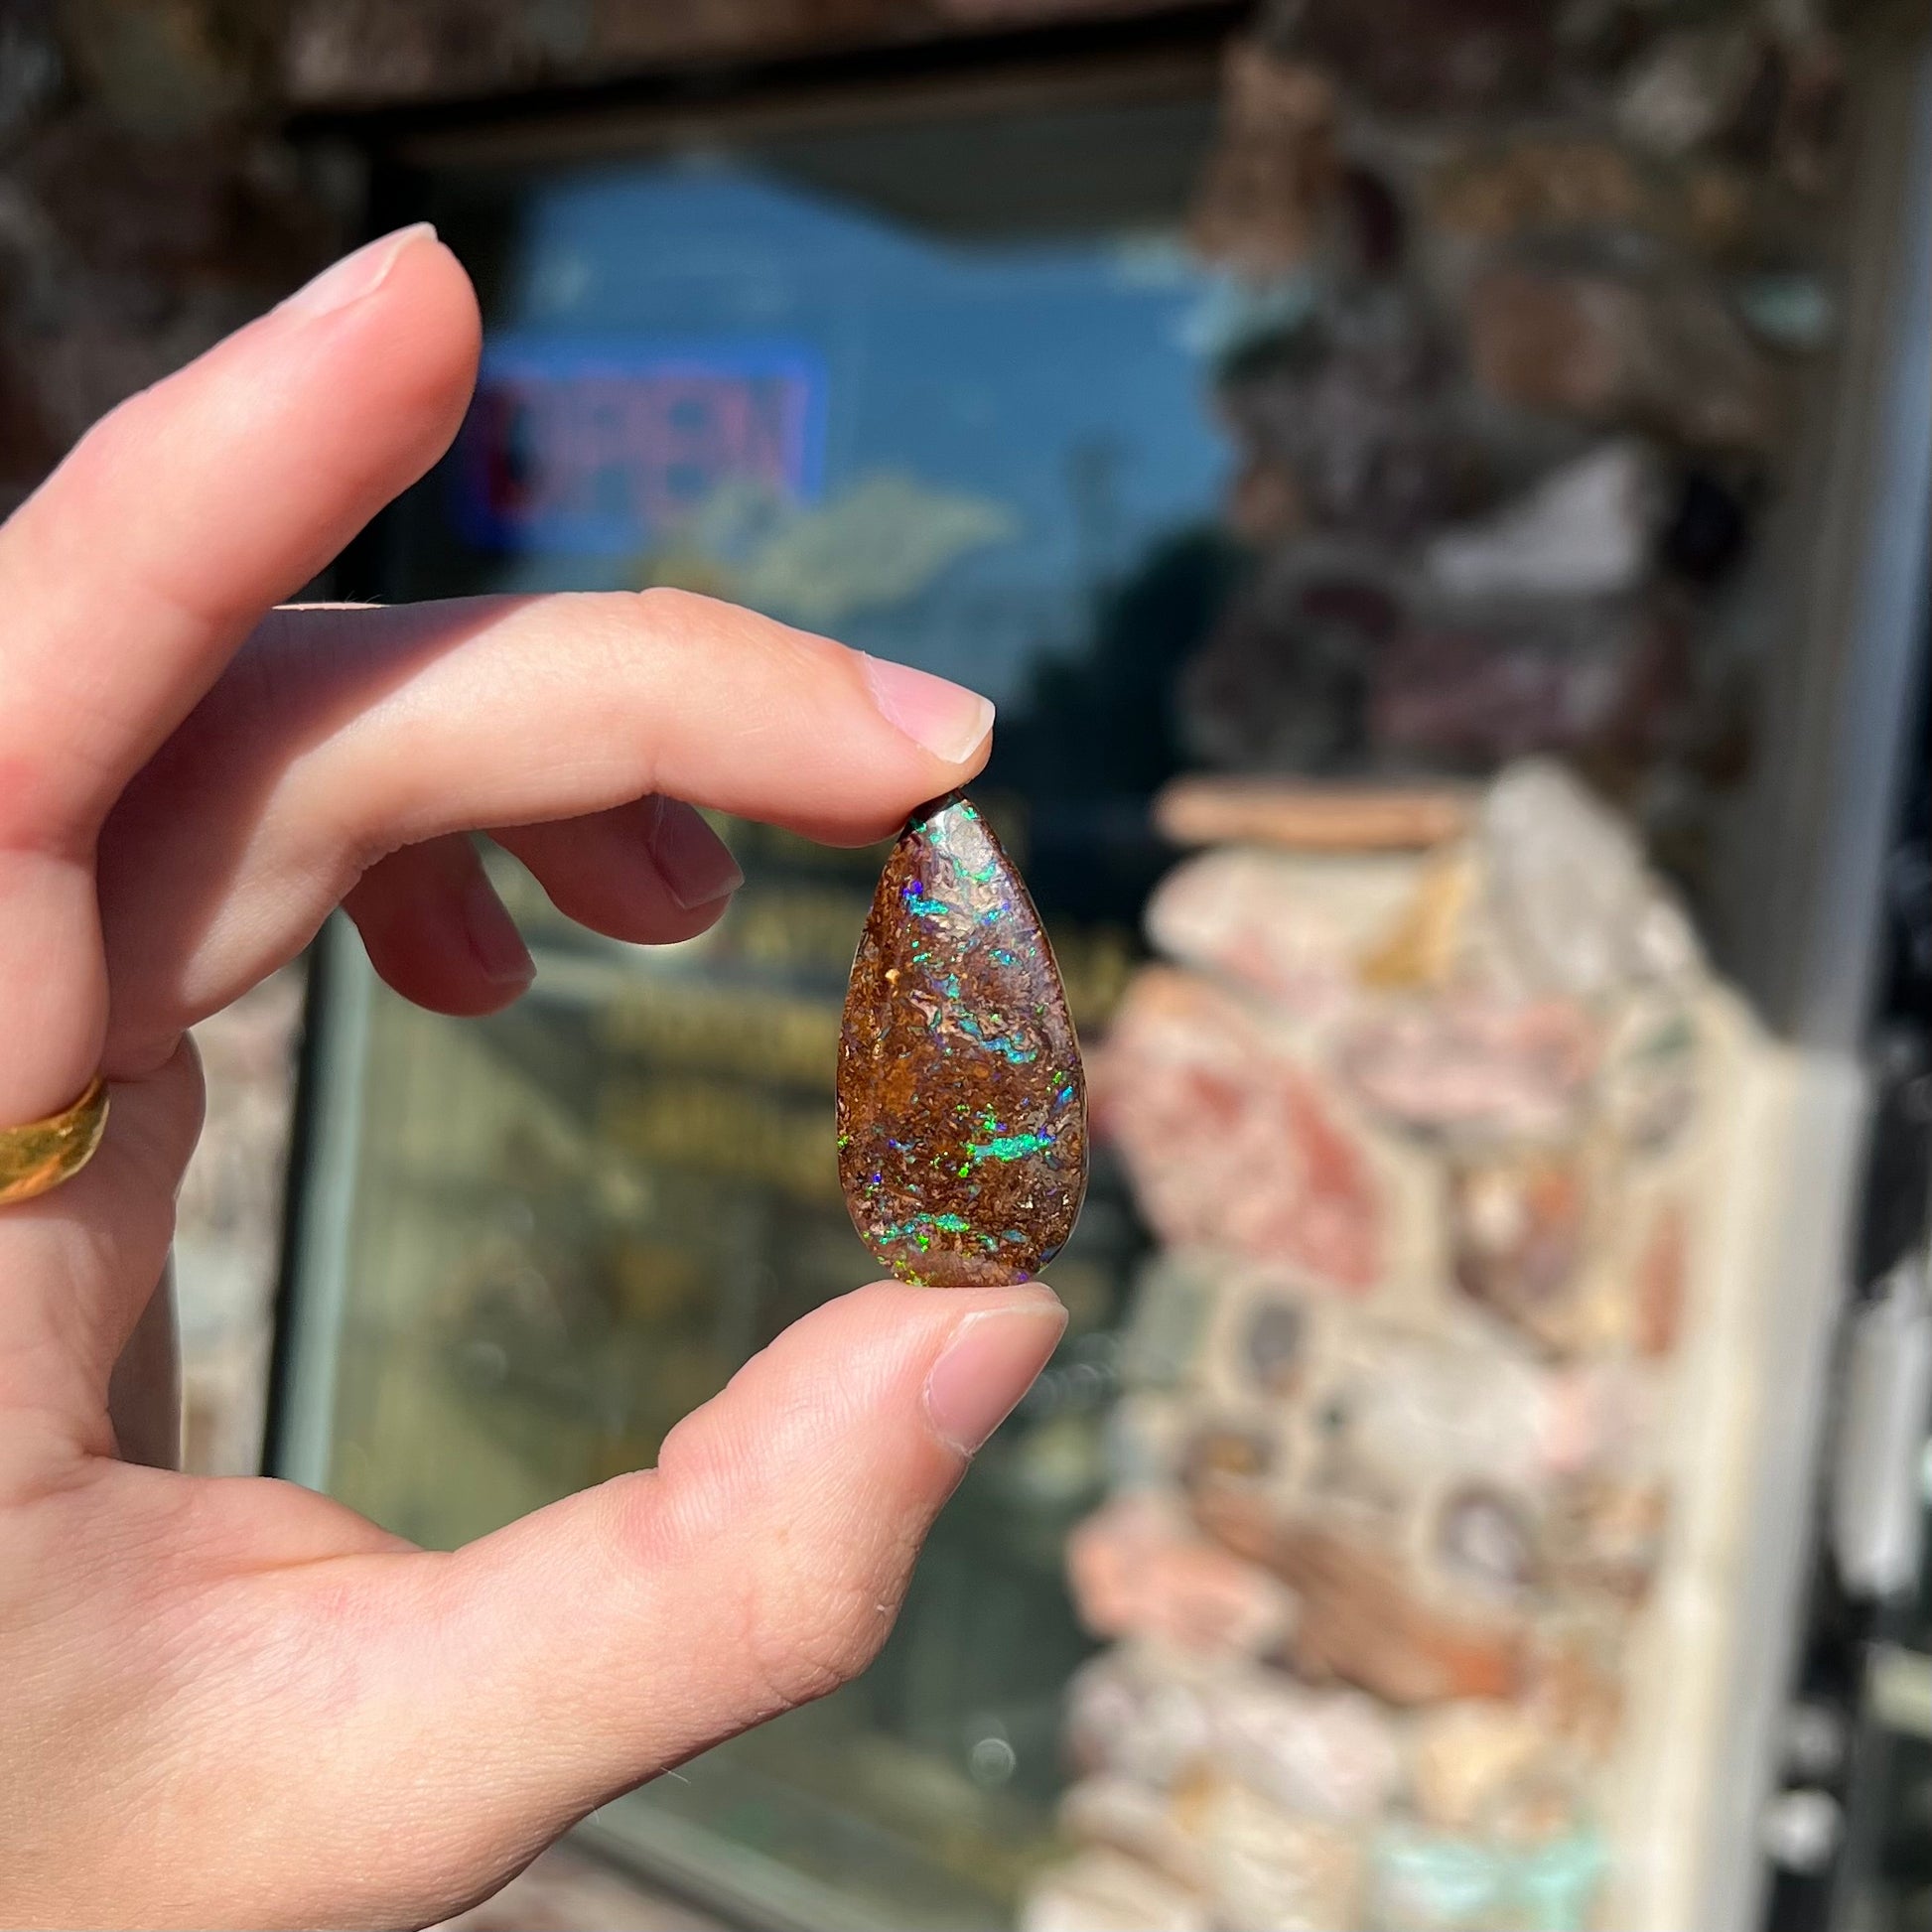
column 962, row 1104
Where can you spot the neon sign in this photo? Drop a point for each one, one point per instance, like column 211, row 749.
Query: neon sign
column 598, row 449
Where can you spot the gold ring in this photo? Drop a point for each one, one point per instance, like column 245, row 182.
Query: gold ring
column 45, row 1153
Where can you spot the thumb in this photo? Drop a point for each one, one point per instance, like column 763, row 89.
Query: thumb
column 758, row 1566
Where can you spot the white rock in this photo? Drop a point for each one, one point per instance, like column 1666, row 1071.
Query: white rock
column 1688, row 88
column 1104, row 1891
column 1584, row 531
column 1579, row 909
column 1322, row 1753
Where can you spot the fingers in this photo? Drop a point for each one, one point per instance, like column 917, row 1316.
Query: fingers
column 378, row 1737
column 758, row 1566
column 184, row 515
column 435, row 931
column 542, row 707
column 347, row 752
column 651, row 871
column 767, row 1550
column 343, row 735
column 133, row 572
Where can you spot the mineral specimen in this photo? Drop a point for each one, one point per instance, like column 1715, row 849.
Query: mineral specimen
column 1322, row 1753
column 1139, row 1570
column 1267, row 185
column 1518, row 1233
column 1579, row 911
column 1361, row 1617
column 1475, row 1066
column 1103, row 1890
column 1288, row 925
column 962, row 1104
column 1605, row 347
column 1584, row 531
column 1311, row 817
column 1231, row 1141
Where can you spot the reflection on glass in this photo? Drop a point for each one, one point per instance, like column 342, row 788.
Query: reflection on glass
column 952, row 416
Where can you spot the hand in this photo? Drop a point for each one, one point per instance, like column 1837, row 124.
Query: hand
column 234, row 1702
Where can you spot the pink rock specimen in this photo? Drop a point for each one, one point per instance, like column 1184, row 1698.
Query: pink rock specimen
column 1287, row 926
column 1230, row 1141
column 1476, row 1067
column 1136, row 1571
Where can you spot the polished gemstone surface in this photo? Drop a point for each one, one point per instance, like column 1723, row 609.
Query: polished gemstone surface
column 962, row 1110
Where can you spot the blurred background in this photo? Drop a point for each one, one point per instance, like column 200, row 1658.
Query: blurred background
column 1439, row 491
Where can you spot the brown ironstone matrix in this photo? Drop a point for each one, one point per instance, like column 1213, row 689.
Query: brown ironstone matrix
column 962, row 1102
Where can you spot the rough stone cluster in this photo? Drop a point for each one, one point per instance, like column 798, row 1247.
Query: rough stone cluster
column 1431, row 1135
column 1519, row 304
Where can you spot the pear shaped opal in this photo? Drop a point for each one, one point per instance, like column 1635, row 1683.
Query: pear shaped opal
column 962, row 1104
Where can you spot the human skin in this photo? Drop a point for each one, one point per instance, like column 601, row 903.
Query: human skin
column 234, row 1702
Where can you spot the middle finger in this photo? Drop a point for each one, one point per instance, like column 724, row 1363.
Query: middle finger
column 341, row 735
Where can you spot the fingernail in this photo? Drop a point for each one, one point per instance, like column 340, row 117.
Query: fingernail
column 354, row 276
column 493, row 938
column 944, row 718
column 696, row 864
column 989, row 1364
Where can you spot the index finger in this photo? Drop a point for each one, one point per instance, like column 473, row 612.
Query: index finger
column 136, row 570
